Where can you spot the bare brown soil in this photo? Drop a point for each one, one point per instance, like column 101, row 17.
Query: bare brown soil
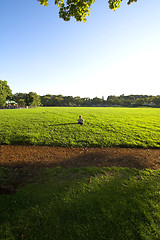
column 40, row 156
column 26, row 160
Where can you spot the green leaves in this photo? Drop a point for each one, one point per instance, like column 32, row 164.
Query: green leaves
column 74, row 8
column 43, row 2
column 131, row 1
column 5, row 92
column 114, row 4
column 80, row 9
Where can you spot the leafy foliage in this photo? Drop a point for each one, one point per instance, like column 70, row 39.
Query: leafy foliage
column 5, row 92
column 80, row 9
column 27, row 99
column 114, row 4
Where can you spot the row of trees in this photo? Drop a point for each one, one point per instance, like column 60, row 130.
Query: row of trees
column 60, row 100
column 32, row 99
column 134, row 101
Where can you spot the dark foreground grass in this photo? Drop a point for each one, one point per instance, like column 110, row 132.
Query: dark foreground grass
column 83, row 204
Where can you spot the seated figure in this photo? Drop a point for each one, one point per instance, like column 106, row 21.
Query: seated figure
column 80, row 120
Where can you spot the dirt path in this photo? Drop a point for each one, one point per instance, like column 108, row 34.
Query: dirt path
column 39, row 156
column 25, row 161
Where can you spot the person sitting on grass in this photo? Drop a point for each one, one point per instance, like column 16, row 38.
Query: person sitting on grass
column 80, row 120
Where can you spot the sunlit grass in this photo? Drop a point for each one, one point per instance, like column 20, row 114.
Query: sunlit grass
column 124, row 127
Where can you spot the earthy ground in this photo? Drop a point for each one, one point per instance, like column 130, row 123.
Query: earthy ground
column 39, row 156
column 26, row 160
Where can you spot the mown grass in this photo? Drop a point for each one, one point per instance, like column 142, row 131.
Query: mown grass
column 104, row 127
column 85, row 203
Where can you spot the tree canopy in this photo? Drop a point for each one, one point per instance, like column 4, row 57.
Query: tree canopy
column 31, row 99
column 5, row 93
column 80, row 9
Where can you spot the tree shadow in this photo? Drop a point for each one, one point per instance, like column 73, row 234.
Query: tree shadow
column 106, row 211
column 100, row 159
column 63, row 124
column 30, row 160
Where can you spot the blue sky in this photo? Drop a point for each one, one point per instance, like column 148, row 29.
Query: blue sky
column 113, row 53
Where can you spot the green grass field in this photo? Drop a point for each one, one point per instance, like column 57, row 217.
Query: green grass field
column 104, row 127
column 84, row 203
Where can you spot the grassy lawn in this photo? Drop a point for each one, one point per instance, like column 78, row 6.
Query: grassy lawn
column 124, row 127
column 85, row 203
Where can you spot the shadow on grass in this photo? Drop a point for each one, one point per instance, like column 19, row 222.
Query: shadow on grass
column 23, row 170
column 64, row 124
column 97, row 207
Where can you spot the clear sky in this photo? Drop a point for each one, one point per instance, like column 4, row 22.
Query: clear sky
column 113, row 53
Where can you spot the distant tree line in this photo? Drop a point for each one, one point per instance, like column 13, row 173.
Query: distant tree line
column 60, row 100
column 32, row 99
column 134, row 101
